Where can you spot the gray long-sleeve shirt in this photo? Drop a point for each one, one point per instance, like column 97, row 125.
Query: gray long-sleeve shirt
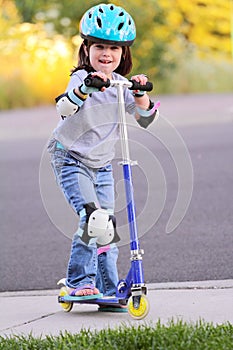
column 91, row 133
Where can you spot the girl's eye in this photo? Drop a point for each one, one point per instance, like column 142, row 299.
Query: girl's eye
column 98, row 46
column 101, row 47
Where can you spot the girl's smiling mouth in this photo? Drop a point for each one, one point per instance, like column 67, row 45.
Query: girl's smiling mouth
column 105, row 61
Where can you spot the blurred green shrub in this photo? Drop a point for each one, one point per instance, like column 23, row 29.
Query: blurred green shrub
column 37, row 55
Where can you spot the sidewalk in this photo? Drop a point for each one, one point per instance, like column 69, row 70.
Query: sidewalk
column 38, row 312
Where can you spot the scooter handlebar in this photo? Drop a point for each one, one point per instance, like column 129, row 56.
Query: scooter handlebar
column 137, row 86
column 96, row 82
column 99, row 84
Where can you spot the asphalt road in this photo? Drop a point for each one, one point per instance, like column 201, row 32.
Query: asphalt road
column 36, row 225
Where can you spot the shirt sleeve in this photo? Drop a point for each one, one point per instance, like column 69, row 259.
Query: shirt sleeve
column 76, row 79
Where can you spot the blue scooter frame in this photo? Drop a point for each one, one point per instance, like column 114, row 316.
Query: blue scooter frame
column 131, row 290
column 135, row 278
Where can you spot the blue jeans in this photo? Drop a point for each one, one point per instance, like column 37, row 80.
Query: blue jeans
column 82, row 185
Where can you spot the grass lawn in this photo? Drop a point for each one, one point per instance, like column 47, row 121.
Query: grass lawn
column 173, row 336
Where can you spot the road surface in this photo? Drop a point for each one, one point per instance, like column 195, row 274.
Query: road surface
column 36, row 227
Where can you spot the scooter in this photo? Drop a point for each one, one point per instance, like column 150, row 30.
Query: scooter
column 132, row 290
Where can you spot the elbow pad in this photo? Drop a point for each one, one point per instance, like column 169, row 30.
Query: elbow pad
column 69, row 103
column 147, row 116
column 65, row 107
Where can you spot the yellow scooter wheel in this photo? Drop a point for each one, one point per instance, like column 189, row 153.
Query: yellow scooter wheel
column 142, row 309
column 67, row 307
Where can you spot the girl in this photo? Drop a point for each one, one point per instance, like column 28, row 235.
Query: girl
column 82, row 146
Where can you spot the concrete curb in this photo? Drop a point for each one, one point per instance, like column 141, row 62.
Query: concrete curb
column 212, row 284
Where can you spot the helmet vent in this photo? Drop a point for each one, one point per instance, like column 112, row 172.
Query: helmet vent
column 111, row 7
column 89, row 14
column 129, row 22
column 99, row 22
column 120, row 25
column 101, row 10
column 121, row 14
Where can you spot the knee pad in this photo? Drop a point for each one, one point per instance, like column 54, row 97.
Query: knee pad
column 99, row 225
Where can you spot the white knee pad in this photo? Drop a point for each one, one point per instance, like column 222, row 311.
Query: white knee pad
column 99, row 225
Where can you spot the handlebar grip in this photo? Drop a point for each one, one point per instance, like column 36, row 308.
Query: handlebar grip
column 138, row 86
column 96, row 82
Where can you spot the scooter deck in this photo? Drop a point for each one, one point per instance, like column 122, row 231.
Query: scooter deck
column 92, row 299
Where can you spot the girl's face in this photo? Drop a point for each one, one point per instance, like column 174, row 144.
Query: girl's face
column 105, row 58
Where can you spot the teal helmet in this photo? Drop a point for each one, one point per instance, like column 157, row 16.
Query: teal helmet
column 108, row 23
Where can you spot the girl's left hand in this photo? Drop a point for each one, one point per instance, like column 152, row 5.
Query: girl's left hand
column 140, row 78
column 141, row 97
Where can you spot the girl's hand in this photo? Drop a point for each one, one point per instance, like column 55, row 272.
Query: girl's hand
column 85, row 90
column 140, row 78
column 102, row 76
column 141, row 98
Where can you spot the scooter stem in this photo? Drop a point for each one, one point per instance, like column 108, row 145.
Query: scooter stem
column 134, row 244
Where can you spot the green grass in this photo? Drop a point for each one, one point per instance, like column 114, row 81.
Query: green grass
column 174, row 336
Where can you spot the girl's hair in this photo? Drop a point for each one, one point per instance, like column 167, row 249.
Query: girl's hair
column 124, row 67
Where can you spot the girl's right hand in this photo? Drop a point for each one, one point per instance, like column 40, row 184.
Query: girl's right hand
column 102, row 76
